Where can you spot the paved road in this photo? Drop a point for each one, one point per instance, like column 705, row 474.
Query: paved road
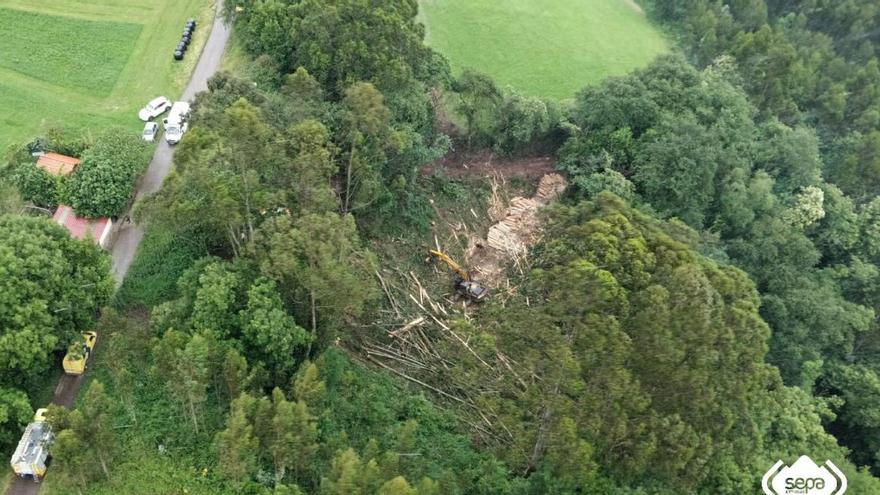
column 129, row 237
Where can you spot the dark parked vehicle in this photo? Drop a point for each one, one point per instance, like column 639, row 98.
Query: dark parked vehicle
column 185, row 38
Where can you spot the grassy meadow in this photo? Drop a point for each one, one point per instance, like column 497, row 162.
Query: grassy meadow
column 548, row 48
column 90, row 64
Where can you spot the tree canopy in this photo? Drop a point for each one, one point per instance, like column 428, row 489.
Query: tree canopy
column 648, row 364
column 702, row 302
column 766, row 146
column 51, row 286
column 103, row 183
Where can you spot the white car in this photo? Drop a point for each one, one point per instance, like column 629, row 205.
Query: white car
column 150, row 131
column 155, row 108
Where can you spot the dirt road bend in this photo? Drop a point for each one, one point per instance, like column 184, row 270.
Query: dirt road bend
column 130, row 236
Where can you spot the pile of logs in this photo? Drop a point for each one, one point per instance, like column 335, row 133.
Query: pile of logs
column 518, row 229
column 508, row 241
column 420, row 346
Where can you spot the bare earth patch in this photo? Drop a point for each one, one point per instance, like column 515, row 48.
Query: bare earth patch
column 487, row 164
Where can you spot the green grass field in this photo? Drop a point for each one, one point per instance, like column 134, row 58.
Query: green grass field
column 90, row 64
column 547, row 48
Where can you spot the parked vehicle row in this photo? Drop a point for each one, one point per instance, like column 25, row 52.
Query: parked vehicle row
column 31, row 456
column 175, row 124
column 185, row 39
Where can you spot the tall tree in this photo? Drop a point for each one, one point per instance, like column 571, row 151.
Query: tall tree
column 294, row 437
column 522, row 120
column 238, row 448
column 479, row 99
column 186, row 364
column 70, row 466
column 85, row 441
column 367, row 122
column 15, row 413
column 36, row 185
column 51, row 285
column 320, row 265
column 95, row 424
column 272, row 334
column 224, row 178
column 102, row 185
column 313, row 168
column 344, row 42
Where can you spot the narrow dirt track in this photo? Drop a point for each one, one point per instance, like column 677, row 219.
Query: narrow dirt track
column 129, row 238
column 487, row 164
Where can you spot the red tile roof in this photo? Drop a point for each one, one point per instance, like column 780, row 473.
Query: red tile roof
column 81, row 228
column 57, row 164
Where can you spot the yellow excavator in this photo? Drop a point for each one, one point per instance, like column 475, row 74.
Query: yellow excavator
column 464, row 284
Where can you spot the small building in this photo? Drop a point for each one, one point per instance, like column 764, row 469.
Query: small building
column 98, row 229
column 57, row 164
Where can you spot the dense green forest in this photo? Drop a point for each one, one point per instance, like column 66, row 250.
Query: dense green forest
column 703, row 300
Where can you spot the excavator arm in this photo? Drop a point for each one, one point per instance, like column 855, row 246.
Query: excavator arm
column 451, row 264
column 464, row 284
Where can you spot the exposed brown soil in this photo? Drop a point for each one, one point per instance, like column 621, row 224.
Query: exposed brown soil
column 486, row 163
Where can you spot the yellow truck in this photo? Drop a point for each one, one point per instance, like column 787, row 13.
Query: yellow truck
column 29, row 459
column 78, row 354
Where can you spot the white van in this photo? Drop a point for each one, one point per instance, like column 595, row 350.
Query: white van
column 176, row 123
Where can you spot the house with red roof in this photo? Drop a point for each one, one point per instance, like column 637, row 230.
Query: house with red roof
column 97, row 229
column 57, row 164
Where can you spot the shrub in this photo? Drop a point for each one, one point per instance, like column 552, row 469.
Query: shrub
column 161, row 259
column 104, row 181
column 36, row 185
